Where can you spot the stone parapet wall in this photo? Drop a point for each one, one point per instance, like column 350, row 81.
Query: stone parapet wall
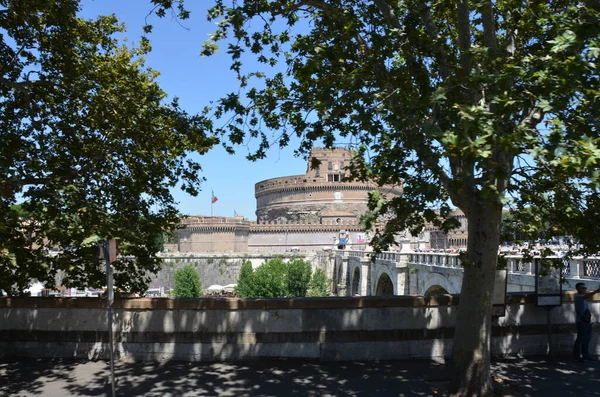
column 301, row 182
column 213, row 234
column 369, row 328
column 304, row 227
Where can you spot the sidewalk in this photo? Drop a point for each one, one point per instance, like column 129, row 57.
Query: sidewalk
column 514, row 377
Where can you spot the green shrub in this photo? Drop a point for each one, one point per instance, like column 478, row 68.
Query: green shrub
column 187, row 283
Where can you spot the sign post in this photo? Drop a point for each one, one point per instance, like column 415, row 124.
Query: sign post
column 109, row 251
column 499, row 294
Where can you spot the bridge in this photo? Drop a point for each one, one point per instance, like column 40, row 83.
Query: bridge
column 354, row 273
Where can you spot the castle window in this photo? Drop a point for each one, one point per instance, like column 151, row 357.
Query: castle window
column 335, row 177
column 329, row 165
column 318, row 171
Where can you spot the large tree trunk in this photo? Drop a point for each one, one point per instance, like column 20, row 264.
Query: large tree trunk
column 472, row 335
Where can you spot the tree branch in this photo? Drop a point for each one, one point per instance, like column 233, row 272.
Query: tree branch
column 489, row 28
column 464, row 35
column 440, row 51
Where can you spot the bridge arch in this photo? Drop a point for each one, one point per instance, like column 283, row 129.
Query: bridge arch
column 385, row 285
column 436, row 282
column 355, row 281
column 436, row 290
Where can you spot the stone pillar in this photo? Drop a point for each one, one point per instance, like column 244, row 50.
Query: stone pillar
column 330, row 265
column 574, row 266
column 365, row 277
column 580, row 267
column 402, row 275
column 342, row 282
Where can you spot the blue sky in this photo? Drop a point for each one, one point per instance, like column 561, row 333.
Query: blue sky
column 196, row 81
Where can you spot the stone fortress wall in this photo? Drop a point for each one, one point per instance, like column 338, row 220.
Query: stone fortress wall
column 214, row 234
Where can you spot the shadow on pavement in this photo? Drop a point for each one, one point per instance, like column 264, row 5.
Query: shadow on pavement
column 517, row 377
column 540, row 376
column 252, row 378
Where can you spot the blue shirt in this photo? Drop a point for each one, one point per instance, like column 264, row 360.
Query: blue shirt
column 581, row 306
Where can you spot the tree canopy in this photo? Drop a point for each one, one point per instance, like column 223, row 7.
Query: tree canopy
column 90, row 146
column 319, row 284
column 477, row 104
column 187, row 283
column 276, row 278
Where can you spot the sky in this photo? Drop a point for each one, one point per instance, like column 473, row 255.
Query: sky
column 196, row 81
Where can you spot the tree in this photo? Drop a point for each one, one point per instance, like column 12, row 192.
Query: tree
column 187, row 283
column 298, row 277
column 244, row 288
column 90, row 144
column 275, row 278
column 319, row 284
column 476, row 104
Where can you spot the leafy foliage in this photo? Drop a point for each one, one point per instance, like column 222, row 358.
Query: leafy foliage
column 481, row 104
column 319, row 284
column 90, row 144
column 187, row 283
column 275, row 279
column 298, row 277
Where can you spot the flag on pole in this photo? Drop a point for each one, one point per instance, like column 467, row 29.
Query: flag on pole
column 213, row 198
column 235, row 213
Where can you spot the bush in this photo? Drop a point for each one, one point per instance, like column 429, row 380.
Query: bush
column 187, row 283
column 319, row 285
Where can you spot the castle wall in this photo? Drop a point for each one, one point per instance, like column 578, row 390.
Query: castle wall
column 323, row 189
column 307, row 201
column 307, row 241
column 212, row 269
column 214, row 234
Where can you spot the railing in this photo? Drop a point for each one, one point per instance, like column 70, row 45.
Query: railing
column 591, row 268
column 358, row 254
column 435, row 259
column 572, row 268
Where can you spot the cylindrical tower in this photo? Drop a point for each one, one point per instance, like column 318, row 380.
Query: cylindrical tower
column 320, row 196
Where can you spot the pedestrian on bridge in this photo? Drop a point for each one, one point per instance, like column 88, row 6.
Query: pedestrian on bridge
column 583, row 319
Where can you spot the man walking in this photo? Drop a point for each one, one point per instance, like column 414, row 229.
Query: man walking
column 583, row 318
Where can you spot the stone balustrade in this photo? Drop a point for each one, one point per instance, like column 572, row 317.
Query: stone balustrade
column 577, row 267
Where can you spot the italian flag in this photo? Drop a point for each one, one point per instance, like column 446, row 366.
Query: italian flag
column 213, row 198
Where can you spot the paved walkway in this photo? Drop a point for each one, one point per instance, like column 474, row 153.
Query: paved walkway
column 518, row 377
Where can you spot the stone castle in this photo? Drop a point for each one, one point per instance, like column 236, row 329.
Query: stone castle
column 317, row 210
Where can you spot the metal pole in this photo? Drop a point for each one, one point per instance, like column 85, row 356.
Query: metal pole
column 549, row 322
column 109, row 299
